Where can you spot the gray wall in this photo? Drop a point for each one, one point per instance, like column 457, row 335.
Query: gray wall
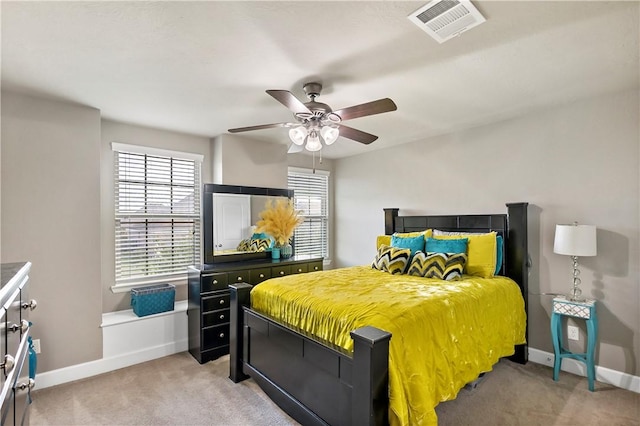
column 576, row 163
column 51, row 217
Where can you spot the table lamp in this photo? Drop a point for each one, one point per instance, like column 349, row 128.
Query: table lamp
column 575, row 240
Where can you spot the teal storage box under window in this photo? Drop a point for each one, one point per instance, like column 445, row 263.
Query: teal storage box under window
column 153, row 299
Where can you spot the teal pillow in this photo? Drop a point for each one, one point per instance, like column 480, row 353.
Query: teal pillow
column 412, row 243
column 499, row 254
column 458, row 245
column 260, row 236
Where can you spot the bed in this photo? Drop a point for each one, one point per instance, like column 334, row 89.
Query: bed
column 359, row 374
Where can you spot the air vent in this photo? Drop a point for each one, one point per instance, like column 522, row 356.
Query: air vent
column 445, row 19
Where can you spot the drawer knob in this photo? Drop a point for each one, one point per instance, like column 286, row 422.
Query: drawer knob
column 222, row 301
column 222, row 335
column 261, row 275
column 281, row 272
column 24, row 325
column 215, row 281
column 239, row 278
column 221, row 316
column 32, row 304
column 315, row 267
column 299, row 269
column 29, row 385
column 8, row 363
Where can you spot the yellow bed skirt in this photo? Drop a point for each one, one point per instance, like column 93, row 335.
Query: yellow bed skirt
column 444, row 334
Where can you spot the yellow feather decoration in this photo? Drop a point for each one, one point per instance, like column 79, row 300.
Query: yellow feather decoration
column 279, row 219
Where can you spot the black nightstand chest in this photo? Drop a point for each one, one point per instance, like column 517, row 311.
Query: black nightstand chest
column 208, row 308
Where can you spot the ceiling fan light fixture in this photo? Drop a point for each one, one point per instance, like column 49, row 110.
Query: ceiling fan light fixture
column 298, row 134
column 329, row 134
column 313, row 142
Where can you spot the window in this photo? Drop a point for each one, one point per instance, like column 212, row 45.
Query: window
column 157, row 213
column 311, row 197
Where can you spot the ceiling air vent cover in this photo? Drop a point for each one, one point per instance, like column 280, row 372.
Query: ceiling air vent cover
column 444, row 19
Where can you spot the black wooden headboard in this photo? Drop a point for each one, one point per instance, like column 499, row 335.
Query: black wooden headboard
column 512, row 226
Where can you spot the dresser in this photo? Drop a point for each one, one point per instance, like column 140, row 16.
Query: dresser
column 208, row 309
column 15, row 306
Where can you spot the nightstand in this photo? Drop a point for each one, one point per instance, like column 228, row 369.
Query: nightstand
column 585, row 310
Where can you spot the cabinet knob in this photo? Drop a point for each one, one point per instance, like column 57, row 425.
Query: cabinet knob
column 28, row 385
column 281, row 272
column 239, row 278
column 221, row 316
column 8, row 363
column 221, row 335
column 215, row 281
column 261, row 275
column 315, row 267
column 222, row 301
column 299, row 269
column 24, row 325
column 32, row 304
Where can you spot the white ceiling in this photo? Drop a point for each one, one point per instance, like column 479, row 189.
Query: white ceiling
column 203, row 67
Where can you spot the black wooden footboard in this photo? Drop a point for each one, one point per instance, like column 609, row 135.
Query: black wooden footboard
column 312, row 382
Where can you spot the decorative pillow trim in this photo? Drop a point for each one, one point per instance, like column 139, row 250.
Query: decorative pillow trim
column 443, row 266
column 391, row 259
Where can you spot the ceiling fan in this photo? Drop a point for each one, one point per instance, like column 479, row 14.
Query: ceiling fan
column 315, row 122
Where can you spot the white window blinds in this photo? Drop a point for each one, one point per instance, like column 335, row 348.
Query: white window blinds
column 157, row 213
column 311, row 197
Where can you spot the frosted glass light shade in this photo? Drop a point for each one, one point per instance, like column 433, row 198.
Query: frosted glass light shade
column 575, row 240
column 329, row 134
column 313, row 142
column 297, row 135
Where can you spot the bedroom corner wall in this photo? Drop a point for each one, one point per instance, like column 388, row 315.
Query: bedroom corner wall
column 579, row 162
column 51, row 217
column 242, row 161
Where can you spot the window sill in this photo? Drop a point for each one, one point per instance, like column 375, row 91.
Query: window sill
column 120, row 317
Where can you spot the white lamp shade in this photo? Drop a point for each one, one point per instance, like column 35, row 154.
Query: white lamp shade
column 297, row 135
column 575, row 240
column 313, row 142
column 329, row 134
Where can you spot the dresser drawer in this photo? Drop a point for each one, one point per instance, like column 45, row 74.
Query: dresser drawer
column 213, row 282
column 211, row 319
column 215, row 336
column 215, row 303
column 300, row 268
column 259, row 275
column 280, row 271
column 14, row 327
column 315, row 266
column 238, row 277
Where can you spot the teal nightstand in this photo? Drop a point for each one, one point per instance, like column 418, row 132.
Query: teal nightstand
column 585, row 310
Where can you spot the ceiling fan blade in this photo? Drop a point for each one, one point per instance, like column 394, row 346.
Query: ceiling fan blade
column 260, row 127
column 287, row 99
column 369, row 108
column 356, row 135
column 293, row 148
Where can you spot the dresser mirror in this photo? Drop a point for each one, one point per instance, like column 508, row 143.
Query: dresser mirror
column 229, row 215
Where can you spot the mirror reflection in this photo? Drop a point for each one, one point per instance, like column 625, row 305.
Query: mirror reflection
column 234, row 222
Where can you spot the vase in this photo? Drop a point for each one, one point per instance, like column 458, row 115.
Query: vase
column 275, row 252
column 286, row 251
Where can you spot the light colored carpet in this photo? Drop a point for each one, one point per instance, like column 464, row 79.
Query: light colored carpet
column 176, row 390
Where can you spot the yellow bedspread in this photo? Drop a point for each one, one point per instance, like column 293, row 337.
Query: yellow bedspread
column 444, row 334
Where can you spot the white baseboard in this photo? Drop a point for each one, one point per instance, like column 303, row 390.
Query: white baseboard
column 128, row 340
column 603, row 374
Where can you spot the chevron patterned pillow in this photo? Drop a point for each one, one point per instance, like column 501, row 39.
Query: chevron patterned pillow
column 443, row 266
column 391, row 259
column 259, row 244
column 244, row 245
